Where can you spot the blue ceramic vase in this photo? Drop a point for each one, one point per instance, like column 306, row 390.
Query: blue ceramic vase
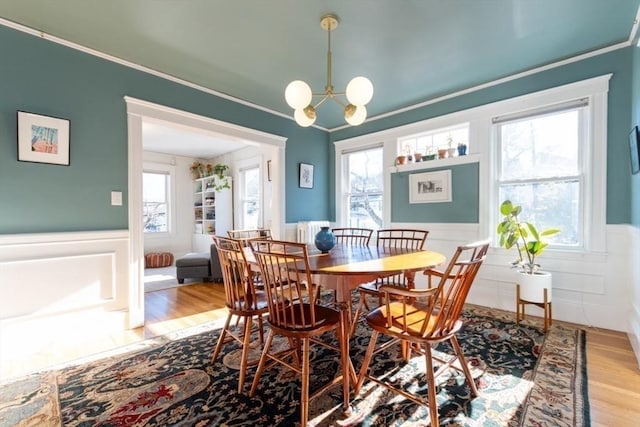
column 325, row 240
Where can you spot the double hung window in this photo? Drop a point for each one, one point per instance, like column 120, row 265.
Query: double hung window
column 540, row 166
column 156, row 208
column 362, row 183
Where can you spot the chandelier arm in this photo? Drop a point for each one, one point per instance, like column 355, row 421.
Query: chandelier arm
column 324, row 98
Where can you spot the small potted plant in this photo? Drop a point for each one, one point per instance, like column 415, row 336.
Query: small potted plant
column 462, row 149
column 529, row 243
column 222, row 180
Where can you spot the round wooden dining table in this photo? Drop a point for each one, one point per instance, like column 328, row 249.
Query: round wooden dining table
column 345, row 267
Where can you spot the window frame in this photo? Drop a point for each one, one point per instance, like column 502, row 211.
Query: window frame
column 345, row 194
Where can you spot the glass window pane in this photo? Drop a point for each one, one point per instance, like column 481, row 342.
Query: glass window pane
column 540, row 147
column 251, row 197
column 154, row 202
column 365, row 211
column 365, row 171
column 546, row 205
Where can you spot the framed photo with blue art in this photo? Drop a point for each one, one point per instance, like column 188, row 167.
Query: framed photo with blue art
column 43, row 139
column 634, row 150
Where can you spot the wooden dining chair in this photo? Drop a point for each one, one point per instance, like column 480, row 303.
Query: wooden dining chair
column 389, row 238
column 242, row 299
column 352, row 235
column 293, row 312
column 419, row 318
column 249, row 234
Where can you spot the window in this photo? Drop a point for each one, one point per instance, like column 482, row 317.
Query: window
column 155, row 202
column 430, row 142
column 540, row 167
column 250, row 198
column 363, row 188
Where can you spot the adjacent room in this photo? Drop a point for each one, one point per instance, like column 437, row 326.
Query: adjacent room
column 320, row 213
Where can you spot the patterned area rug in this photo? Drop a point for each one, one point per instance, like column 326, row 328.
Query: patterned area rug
column 524, row 379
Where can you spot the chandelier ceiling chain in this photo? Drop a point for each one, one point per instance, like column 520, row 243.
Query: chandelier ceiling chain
column 359, row 91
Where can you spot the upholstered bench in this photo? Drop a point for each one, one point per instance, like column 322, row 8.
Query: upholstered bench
column 200, row 265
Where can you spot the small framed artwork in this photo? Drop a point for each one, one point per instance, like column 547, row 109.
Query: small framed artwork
column 430, row 187
column 43, row 139
column 306, row 175
column 634, row 150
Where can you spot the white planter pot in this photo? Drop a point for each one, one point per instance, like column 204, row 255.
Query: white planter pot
column 532, row 286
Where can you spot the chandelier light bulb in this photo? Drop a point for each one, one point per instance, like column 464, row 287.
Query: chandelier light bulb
column 359, row 91
column 303, row 116
column 298, row 94
column 355, row 115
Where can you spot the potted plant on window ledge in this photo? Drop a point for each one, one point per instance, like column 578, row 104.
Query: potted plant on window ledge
column 529, row 243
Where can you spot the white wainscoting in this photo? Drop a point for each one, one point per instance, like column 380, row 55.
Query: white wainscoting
column 52, row 275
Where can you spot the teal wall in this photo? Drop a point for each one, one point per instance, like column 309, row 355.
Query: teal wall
column 463, row 207
column 46, row 78
column 618, row 62
column 635, row 121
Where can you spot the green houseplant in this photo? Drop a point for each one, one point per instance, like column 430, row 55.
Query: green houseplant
column 524, row 236
column 534, row 286
column 222, row 181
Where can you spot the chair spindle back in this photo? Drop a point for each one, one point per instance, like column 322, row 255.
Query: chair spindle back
column 284, row 267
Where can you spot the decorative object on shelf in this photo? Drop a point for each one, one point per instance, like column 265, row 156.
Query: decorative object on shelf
column 359, row 91
column 430, row 187
column 43, row 139
column 451, row 152
column 462, row 149
column 417, row 157
column 529, row 243
column 325, row 240
column 443, row 153
column 195, row 170
column 401, row 160
column 306, row 175
column 429, row 157
column 220, row 170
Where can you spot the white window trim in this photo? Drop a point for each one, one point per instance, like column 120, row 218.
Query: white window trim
column 481, row 133
column 163, row 168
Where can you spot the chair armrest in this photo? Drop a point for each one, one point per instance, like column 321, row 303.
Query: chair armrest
column 405, row 292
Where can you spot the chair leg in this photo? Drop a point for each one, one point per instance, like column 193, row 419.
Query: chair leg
column 304, row 399
column 221, row 339
column 261, row 364
column 431, row 386
column 356, row 317
column 245, row 352
column 465, row 367
column 367, row 360
column 260, row 329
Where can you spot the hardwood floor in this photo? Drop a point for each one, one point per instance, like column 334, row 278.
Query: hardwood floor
column 614, row 377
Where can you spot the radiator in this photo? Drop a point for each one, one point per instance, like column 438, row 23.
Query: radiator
column 307, row 230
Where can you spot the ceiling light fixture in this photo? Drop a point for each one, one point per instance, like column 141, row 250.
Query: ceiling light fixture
column 358, row 93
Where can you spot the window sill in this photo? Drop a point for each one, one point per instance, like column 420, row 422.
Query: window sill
column 437, row 163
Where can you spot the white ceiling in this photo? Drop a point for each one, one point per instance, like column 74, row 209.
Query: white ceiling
column 168, row 138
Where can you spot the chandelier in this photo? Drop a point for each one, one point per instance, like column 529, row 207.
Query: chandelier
column 359, row 91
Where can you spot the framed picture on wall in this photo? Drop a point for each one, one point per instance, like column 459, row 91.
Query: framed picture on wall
column 43, row 139
column 430, row 187
column 306, row 175
column 634, row 150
